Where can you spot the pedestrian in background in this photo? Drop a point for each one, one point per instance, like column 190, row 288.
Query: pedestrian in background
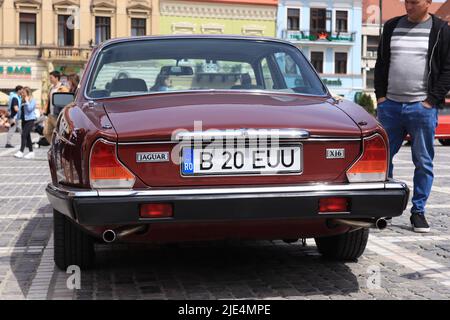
column 412, row 78
column 56, row 86
column 27, row 114
column 14, row 102
column 73, row 81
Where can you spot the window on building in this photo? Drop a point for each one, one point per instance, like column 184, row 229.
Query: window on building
column 372, row 46
column 138, row 27
column 65, row 31
column 342, row 21
column 318, row 20
column 293, row 19
column 370, row 79
column 27, row 29
column 317, row 61
column 340, row 62
column 102, row 29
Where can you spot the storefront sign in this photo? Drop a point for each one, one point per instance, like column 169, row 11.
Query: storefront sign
column 334, row 83
column 320, row 36
column 15, row 71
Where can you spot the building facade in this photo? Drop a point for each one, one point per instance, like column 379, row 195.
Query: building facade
column 39, row 36
column 238, row 17
column 329, row 34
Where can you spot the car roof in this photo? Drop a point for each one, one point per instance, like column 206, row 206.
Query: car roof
column 190, row 36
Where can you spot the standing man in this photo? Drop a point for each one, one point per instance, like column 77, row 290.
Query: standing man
column 56, row 86
column 412, row 78
column 14, row 102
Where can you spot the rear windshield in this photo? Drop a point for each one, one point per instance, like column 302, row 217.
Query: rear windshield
column 168, row 65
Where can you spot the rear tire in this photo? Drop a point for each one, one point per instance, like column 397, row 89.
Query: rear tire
column 347, row 247
column 72, row 246
column 445, row 142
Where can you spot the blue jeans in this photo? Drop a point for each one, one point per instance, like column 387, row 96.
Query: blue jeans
column 400, row 119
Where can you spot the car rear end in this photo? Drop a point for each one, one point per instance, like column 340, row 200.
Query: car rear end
column 284, row 162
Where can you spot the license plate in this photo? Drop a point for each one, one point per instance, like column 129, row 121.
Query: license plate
column 241, row 161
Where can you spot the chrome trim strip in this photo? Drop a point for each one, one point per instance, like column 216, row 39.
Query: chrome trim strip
column 244, row 133
column 145, row 142
column 72, row 192
column 209, row 91
column 311, row 138
column 319, row 138
column 395, row 184
column 391, row 185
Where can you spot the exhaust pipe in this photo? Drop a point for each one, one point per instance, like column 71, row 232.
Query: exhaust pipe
column 379, row 224
column 111, row 235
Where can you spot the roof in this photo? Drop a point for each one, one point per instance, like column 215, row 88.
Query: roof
column 444, row 11
column 391, row 9
column 190, row 36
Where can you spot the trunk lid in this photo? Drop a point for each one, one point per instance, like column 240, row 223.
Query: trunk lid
column 146, row 124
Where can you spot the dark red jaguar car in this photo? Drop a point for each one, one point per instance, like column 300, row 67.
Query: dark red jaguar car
column 192, row 138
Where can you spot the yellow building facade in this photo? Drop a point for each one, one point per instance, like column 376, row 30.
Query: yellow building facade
column 245, row 17
column 39, row 36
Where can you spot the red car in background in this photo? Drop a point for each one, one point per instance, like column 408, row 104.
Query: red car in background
column 182, row 138
column 443, row 128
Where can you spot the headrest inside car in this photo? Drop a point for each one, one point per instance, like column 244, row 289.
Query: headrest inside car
column 129, row 85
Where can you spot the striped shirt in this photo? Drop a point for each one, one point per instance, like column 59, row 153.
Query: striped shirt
column 408, row 71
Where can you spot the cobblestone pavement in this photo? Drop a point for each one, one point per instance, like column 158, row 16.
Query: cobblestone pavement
column 397, row 264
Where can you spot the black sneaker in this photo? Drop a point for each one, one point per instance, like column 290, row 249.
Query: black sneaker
column 9, row 146
column 419, row 223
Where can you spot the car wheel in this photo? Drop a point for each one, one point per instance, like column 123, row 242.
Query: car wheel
column 445, row 142
column 72, row 246
column 348, row 246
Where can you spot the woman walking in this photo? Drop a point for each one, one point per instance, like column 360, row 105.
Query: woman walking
column 73, row 80
column 27, row 114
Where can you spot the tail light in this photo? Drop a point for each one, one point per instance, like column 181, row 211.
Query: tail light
column 105, row 169
column 156, row 210
column 372, row 165
column 334, row 205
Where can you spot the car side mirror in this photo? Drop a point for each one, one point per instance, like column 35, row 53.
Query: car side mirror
column 60, row 100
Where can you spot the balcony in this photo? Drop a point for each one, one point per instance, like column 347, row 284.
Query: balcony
column 319, row 37
column 65, row 54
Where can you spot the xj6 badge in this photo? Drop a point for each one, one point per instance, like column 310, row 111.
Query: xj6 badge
column 335, row 153
column 152, row 156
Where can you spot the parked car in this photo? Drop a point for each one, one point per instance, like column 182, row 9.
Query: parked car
column 443, row 128
column 199, row 138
